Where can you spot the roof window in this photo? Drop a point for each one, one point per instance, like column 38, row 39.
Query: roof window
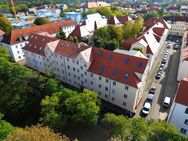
column 140, row 64
column 110, row 57
column 101, row 69
column 115, row 72
column 126, row 60
column 126, row 75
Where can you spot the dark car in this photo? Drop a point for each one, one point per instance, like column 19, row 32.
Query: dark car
column 158, row 76
column 176, row 47
column 152, row 90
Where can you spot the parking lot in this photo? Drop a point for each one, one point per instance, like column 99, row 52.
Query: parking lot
column 165, row 86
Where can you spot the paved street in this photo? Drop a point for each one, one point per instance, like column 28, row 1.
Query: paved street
column 166, row 86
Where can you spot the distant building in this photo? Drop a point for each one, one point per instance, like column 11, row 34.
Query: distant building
column 89, row 25
column 48, row 12
column 151, row 40
column 90, row 5
column 118, row 20
column 183, row 64
column 62, row 6
column 178, row 24
column 17, row 39
column 184, row 10
column 2, row 33
column 179, row 111
column 76, row 16
column 96, row 69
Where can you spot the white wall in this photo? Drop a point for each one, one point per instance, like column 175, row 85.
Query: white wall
column 178, row 116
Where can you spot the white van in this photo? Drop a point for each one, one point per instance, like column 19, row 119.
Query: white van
column 166, row 102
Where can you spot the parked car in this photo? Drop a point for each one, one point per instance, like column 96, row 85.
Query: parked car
column 166, row 102
column 152, row 90
column 146, row 108
column 168, row 46
column 150, row 98
column 176, row 47
column 158, row 76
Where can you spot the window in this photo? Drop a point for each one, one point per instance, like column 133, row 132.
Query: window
column 99, row 93
column 69, row 74
column 115, row 72
column 126, row 87
column 82, row 75
column 74, row 69
column 19, row 57
column 67, row 59
column 78, row 78
column 124, row 103
column 186, row 111
column 81, row 67
column 85, row 65
column 106, row 88
column 100, row 86
column 100, row 78
column 85, row 80
column 183, row 130
column 91, row 75
column 18, row 52
column 78, row 70
column 113, row 99
column 101, row 69
column 113, row 91
column 77, row 63
column 186, row 122
column 114, row 83
column 85, row 73
column 106, row 96
column 126, row 60
column 126, row 75
column 68, row 67
column 91, row 82
column 125, row 96
column 106, row 80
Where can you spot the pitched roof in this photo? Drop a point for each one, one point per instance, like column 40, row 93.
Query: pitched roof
column 51, row 28
column 69, row 49
column 104, row 63
column 113, row 20
column 182, row 95
column 94, row 4
column 80, row 31
column 159, row 30
column 128, row 43
column 149, row 23
column 1, row 32
column 37, row 43
column 123, row 19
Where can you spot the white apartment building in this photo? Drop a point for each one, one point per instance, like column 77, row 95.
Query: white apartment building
column 96, row 69
column 179, row 24
column 18, row 38
column 151, row 40
column 183, row 64
column 179, row 111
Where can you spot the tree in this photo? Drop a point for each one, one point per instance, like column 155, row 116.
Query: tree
column 5, row 128
column 61, row 35
column 5, row 25
column 41, row 21
column 105, row 11
column 83, row 108
column 150, row 15
column 22, row 8
column 139, row 129
column 128, row 32
column 35, row 133
column 138, row 25
column 90, row 11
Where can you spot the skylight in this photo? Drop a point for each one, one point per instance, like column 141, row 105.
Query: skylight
column 126, row 75
column 101, row 69
column 110, row 57
column 115, row 72
column 126, row 60
column 139, row 64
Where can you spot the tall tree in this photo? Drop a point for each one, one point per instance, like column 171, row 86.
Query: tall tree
column 5, row 25
column 128, row 32
column 41, row 21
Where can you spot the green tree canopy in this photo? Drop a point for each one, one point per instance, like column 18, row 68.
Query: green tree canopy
column 41, row 21
column 35, row 133
column 61, row 35
column 5, row 25
column 5, row 128
column 139, row 129
column 150, row 15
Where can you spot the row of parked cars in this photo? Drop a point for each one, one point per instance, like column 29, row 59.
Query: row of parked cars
column 149, row 100
column 163, row 62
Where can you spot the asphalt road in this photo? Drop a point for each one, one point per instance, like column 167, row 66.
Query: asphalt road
column 166, row 86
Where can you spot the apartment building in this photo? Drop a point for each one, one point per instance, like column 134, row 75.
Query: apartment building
column 183, row 64
column 179, row 111
column 179, row 24
column 17, row 39
column 93, row 68
column 151, row 40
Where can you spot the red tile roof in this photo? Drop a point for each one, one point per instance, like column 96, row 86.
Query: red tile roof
column 37, row 43
column 51, row 28
column 182, row 95
column 76, row 32
column 69, row 49
column 123, row 19
column 159, row 30
column 149, row 23
column 128, row 43
column 111, row 20
column 1, row 32
column 116, row 66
